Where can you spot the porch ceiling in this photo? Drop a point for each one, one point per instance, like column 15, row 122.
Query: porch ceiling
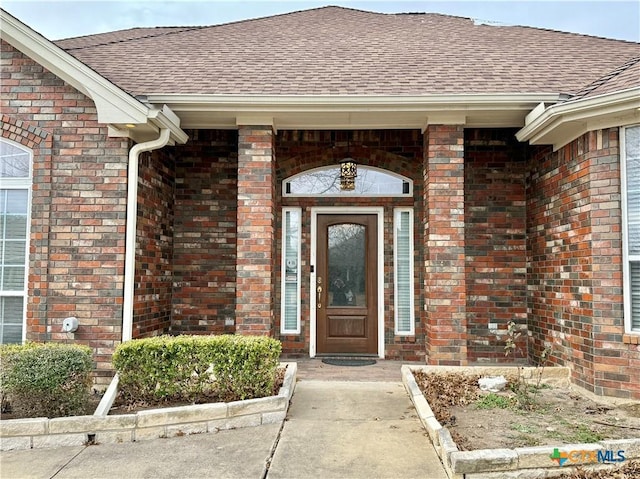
column 350, row 112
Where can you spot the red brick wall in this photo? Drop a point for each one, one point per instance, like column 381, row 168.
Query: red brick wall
column 495, row 246
column 444, row 262
column 575, row 271
column 39, row 142
column 154, row 244
column 256, row 257
column 78, row 211
column 76, row 262
column 204, row 245
column 397, row 151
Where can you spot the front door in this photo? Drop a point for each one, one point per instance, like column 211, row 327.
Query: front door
column 346, row 284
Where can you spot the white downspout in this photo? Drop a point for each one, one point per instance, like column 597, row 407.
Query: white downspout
column 132, row 219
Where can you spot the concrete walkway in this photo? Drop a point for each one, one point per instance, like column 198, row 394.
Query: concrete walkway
column 240, row 453
column 362, row 425
column 353, row 430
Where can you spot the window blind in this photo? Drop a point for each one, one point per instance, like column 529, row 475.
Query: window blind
column 632, row 215
column 634, row 279
column 11, row 314
column 15, row 178
column 290, row 316
column 403, row 268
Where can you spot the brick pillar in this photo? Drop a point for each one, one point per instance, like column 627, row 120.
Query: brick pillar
column 445, row 311
column 255, row 267
column 610, row 360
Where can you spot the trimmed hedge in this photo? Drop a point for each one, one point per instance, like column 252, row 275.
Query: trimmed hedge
column 184, row 368
column 49, row 379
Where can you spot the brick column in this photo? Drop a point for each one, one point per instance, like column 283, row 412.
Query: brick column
column 255, row 267
column 445, row 298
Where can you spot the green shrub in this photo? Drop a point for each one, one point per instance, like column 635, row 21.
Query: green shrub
column 167, row 368
column 48, row 379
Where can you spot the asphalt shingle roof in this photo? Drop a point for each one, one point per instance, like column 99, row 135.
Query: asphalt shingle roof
column 340, row 51
column 624, row 77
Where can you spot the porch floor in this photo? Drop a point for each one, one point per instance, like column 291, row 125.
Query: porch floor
column 384, row 370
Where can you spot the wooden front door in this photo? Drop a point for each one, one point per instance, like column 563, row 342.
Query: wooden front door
column 346, row 284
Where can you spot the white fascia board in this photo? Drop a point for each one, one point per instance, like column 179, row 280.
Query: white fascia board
column 113, row 104
column 563, row 122
column 351, row 103
column 351, row 111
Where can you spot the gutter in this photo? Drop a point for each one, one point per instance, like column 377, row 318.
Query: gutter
column 321, row 102
column 292, row 112
column 560, row 123
column 132, row 217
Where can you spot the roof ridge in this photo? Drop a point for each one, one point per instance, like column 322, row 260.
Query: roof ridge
column 188, row 28
column 594, row 85
column 77, row 37
column 112, row 42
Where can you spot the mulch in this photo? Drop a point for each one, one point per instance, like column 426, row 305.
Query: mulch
column 628, row 470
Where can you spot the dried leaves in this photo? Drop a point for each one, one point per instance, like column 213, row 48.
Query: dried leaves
column 628, row 470
column 445, row 390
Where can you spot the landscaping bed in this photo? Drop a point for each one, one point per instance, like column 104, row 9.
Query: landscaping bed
column 130, row 405
column 166, row 386
column 558, row 414
column 143, row 424
column 552, row 430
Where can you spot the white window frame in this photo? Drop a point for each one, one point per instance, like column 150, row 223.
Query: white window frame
column 21, row 184
column 397, row 212
column 353, row 193
column 626, row 257
column 298, row 276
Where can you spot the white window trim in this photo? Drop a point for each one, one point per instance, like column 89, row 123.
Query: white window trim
column 22, row 184
column 412, row 329
column 626, row 257
column 283, row 268
column 314, row 239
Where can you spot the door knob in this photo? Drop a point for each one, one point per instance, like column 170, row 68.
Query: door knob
column 319, row 290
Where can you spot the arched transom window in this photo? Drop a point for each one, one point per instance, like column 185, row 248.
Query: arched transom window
column 325, row 181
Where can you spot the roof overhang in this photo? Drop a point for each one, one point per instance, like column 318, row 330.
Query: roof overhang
column 125, row 115
column 562, row 123
column 350, row 112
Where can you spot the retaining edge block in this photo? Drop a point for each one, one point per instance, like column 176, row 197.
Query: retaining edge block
column 24, row 427
column 484, row 460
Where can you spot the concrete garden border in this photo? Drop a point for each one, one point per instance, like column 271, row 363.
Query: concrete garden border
column 520, row 463
column 150, row 424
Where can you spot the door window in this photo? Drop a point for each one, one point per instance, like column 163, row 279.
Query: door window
column 346, row 268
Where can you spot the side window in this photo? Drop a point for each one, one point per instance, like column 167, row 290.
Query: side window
column 15, row 194
column 403, row 271
column 631, row 226
column 291, row 230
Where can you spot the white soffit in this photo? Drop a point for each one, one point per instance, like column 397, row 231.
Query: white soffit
column 351, row 112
